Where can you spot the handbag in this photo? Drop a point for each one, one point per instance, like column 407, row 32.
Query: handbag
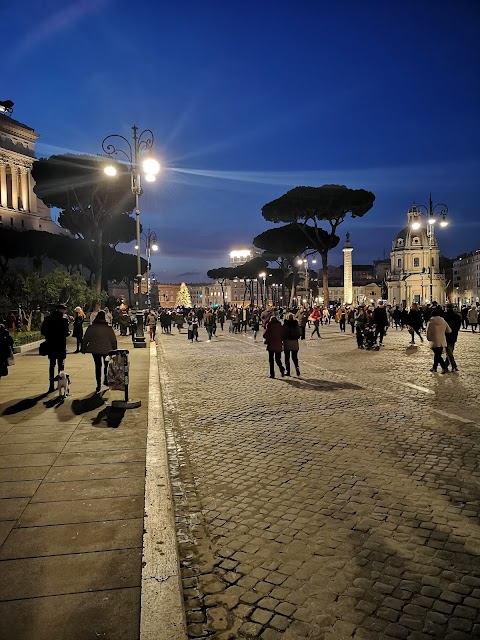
column 11, row 358
column 43, row 348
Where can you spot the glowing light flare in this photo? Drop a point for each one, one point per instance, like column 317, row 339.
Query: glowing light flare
column 150, row 177
column 151, row 167
column 110, row 170
column 416, row 225
column 154, row 247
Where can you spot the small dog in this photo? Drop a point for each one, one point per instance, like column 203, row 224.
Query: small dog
column 63, row 384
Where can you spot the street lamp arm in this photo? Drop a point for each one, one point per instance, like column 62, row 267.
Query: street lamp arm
column 440, row 204
column 147, row 144
column 111, row 149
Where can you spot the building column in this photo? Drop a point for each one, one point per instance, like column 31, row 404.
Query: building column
column 3, row 185
column 347, row 272
column 32, row 196
column 14, row 171
column 24, row 189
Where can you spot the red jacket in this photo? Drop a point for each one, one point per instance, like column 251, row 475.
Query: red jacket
column 273, row 335
column 315, row 314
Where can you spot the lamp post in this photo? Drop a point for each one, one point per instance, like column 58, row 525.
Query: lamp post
column 304, row 262
column 433, row 212
column 141, row 144
column 150, row 245
column 263, row 275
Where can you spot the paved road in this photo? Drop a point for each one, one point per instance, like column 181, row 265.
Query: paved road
column 343, row 504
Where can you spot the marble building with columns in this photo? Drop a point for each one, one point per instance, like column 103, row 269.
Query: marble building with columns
column 20, row 209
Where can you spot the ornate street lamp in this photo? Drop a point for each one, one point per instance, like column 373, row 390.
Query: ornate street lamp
column 142, row 144
column 433, row 213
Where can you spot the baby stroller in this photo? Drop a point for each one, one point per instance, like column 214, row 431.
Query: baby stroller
column 370, row 339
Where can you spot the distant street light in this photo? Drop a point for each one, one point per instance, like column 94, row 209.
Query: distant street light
column 432, row 212
column 142, row 143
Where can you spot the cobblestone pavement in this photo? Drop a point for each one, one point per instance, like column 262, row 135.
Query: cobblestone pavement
column 342, row 504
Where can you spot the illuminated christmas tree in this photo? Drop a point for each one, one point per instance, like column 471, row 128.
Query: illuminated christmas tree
column 183, row 297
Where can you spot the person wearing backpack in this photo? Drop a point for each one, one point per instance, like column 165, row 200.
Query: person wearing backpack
column 291, row 334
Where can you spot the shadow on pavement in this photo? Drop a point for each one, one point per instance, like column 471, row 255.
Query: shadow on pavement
column 23, row 405
column 319, row 385
column 90, row 403
column 111, row 415
column 54, row 402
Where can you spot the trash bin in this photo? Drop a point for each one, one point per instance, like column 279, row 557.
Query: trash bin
column 118, row 378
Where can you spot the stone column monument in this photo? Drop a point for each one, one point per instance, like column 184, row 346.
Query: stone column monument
column 347, row 271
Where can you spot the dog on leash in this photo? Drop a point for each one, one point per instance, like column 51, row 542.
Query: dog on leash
column 63, row 384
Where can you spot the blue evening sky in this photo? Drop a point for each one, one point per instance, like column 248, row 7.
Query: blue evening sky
column 248, row 99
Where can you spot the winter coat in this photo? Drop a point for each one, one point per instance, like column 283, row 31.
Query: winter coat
column 437, row 327
column 302, row 317
column 273, row 335
column 473, row 315
column 454, row 321
column 151, row 320
column 6, row 346
column 99, row 338
column 209, row 319
column 414, row 319
column 316, row 315
column 55, row 329
column 380, row 318
column 78, row 326
column 290, row 334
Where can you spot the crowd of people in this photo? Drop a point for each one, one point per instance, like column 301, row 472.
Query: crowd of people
column 283, row 329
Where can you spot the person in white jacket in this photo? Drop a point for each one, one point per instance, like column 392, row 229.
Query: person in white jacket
column 437, row 328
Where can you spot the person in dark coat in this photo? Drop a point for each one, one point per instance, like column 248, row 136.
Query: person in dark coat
column 380, row 320
column 77, row 332
column 273, row 339
column 454, row 321
column 99, row 340
column 291, row 335
column 56, row 330
column 6, row 347
column 415, row 322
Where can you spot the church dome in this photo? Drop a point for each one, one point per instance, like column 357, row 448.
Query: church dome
column 409, row 238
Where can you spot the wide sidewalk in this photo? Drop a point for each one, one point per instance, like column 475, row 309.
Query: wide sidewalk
column 72, row 499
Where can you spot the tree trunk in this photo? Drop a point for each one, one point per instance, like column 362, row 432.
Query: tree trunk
column 326, row 298
column 292, row 290
column 98, row 260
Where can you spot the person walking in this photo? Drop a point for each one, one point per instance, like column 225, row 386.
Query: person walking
column 209, row 321
column 99, row 340
column 351, row 318
column 315, row 316
column 6, row 350
column 221, row 317
column 341, row 317
column 454, row 321
column 152, row 324
column 290, row 335
column 361, row 321
column 380, row 320
column 302, row 317
column 192, row 322
column 55, row 329
column 273, row 339
column 255, row 320
column 437, row 327
column 473, row 318
column 77, row 332
column 124, row 322
column 414, row 322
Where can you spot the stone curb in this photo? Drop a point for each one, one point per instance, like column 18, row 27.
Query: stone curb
column 27, row 347
column 162, row 610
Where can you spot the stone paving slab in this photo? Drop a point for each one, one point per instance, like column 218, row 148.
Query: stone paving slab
column 342, row 504
column 73, row 511
column 98, row 614
column 82, row 537
column 73, row 573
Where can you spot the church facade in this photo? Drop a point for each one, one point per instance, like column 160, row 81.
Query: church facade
column 415, row 274
column 20, row 209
